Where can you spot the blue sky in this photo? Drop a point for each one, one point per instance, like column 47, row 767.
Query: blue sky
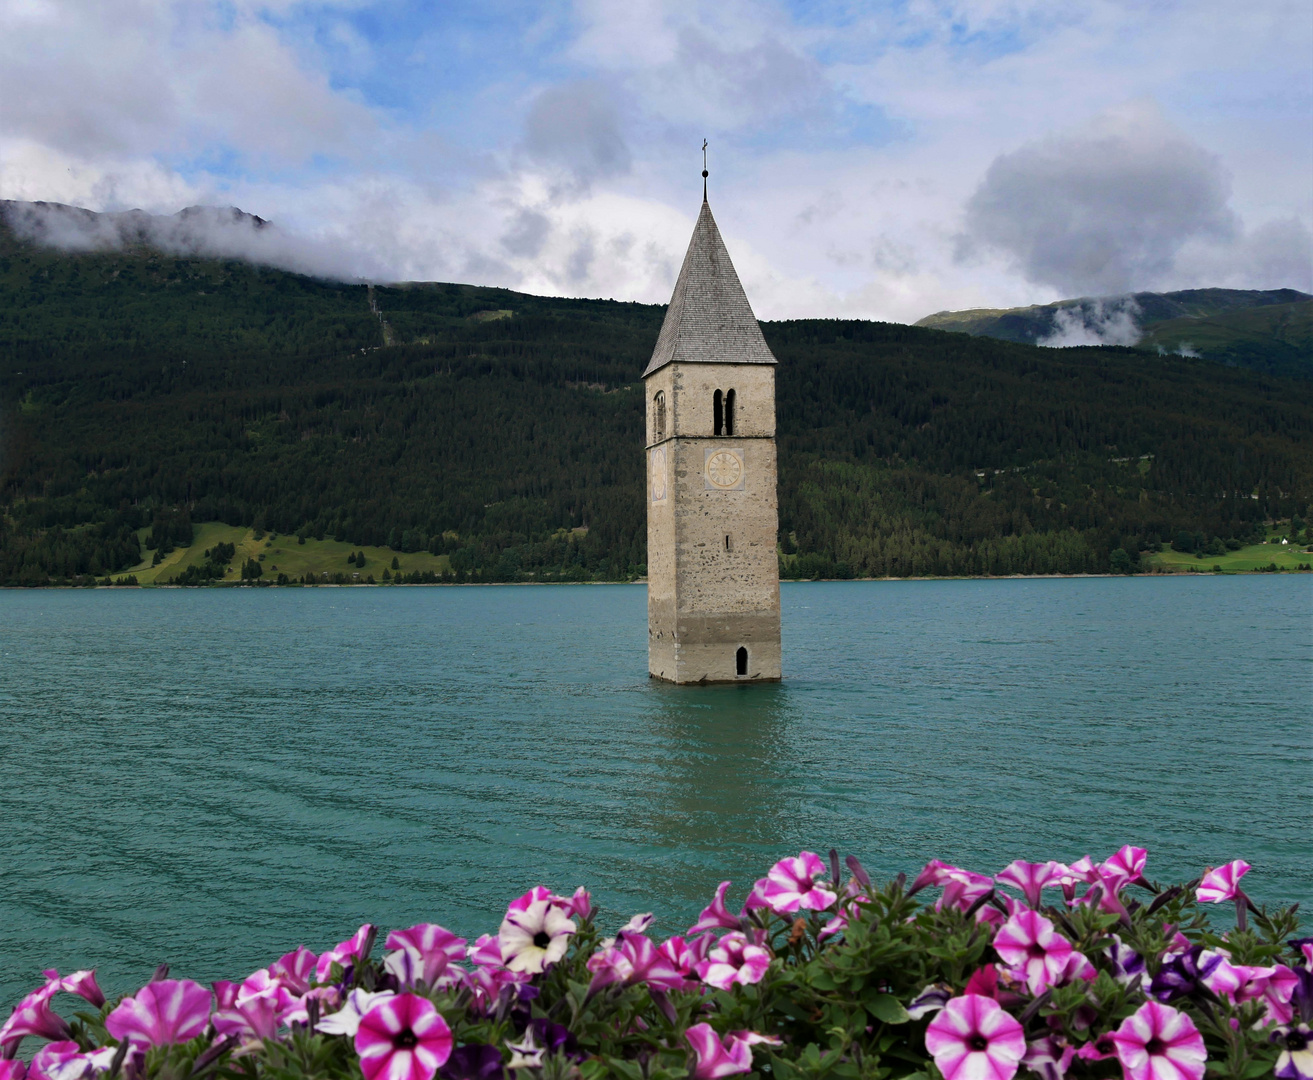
column 876, row 160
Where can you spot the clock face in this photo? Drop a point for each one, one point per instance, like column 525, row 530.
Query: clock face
column 657, row 474
column 724, row 469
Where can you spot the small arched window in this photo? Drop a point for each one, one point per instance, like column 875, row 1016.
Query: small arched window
column 729, row 412
column 741, row 661
column 717, row 414
column 659, row 416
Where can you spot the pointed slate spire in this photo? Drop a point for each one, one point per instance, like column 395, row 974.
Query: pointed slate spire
column 709, row 320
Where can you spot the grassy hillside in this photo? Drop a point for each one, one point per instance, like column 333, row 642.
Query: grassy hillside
column 497, row 436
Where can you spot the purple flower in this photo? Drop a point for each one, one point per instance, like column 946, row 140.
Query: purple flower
column 402, row 1038
column 1185, row 974
column 930, row 1000
column 715, row 916
column 1048, row 1058
column 33, row 1016
column 1032, row 878
column 1295, row 1062
column 1157, row 1042
column 792, row 884
column 473, row 1061
column 12, row 1069
column 715, row 1058
column 1127, row 964
column 972, row 1038
column 345, row 953
column 160, row 1013
column 1030, row 945
column 734, row 959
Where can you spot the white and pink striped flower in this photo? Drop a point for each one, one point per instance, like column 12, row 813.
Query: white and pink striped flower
column 345, row 953
column 1157, row 1042
column 734, row 959
column 1032, row 947
column 1221, row 884
column 1032, row 878
column 972, row 1038
column 423, row 954
column 160, row 1013
column 402, row 1038
column 793, row 884
column 716, row 916
column 715, row 1057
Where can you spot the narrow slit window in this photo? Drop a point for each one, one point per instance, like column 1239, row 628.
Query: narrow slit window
column 728, row 546
column 741, row 661
column 659, row 416
column 729, row 412
column 718, row 413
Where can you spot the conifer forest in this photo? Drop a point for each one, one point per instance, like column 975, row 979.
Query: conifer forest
column 142, row 392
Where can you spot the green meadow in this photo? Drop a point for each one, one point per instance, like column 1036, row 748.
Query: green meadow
column 281, row 554
column 1246, row 559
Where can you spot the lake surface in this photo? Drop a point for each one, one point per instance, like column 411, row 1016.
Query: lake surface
column 211, row 777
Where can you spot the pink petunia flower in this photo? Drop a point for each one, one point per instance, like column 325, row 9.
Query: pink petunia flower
column 792, row 885
column 686, row 954
column 255, row 1010
column 65, row 1060
column 34, row 1016
column 12, row 1069
column 403, row 1038
column 534, row 936
column 423, row 953
column 716, row 1058
column 580, row 905
column 295, row 969
column 1032, row 878
column 1031, row 945
column 160, row 1013
column 734, row 959
column 972, row 1038
column 82, row 983
column 609, row 965
column 1124, row 868
column 486, row 951
column 1157, row 1042
column 716, row 916
column 1222, row 883
column 345, row 953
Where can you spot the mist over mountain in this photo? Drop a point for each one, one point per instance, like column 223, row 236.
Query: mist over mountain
column 206, row 232
column 1268, row 330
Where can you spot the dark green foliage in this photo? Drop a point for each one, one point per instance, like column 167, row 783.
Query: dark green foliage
column 143, row 391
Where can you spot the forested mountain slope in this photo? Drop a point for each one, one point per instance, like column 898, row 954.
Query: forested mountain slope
column 1266, row 330
column 505, row 430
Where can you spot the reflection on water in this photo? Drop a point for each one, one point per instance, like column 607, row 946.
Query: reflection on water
column 211, row 777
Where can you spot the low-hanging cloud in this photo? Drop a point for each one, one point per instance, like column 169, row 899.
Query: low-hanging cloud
column 1107, row 320
column 198, row 231
column 1104, row 208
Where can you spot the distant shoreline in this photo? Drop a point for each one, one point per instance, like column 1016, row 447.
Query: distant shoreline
column 643, row 581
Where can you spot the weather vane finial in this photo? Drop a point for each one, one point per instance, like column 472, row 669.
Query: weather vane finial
column 704, row 170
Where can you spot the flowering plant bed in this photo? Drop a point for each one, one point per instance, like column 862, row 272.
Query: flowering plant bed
column 819, row 975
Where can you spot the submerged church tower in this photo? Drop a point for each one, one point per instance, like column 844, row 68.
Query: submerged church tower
column 713, row 582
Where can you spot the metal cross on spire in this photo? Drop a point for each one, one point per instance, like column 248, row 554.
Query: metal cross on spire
column 704, row 170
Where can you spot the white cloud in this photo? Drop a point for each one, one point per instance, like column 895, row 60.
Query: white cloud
column 845, row 148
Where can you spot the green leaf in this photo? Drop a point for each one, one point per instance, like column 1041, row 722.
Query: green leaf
column 886, row 1007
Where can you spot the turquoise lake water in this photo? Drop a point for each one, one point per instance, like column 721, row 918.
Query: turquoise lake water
column 212, row 777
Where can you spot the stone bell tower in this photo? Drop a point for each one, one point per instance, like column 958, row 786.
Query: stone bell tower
column 713, row 583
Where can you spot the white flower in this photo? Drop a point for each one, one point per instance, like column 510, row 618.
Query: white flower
column 534, row 937
column 527, row 1054
column 346, row 1021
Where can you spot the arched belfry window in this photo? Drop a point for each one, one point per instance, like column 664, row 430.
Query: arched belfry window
column 729, row 412
column 718, row 414
column 659, row 416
